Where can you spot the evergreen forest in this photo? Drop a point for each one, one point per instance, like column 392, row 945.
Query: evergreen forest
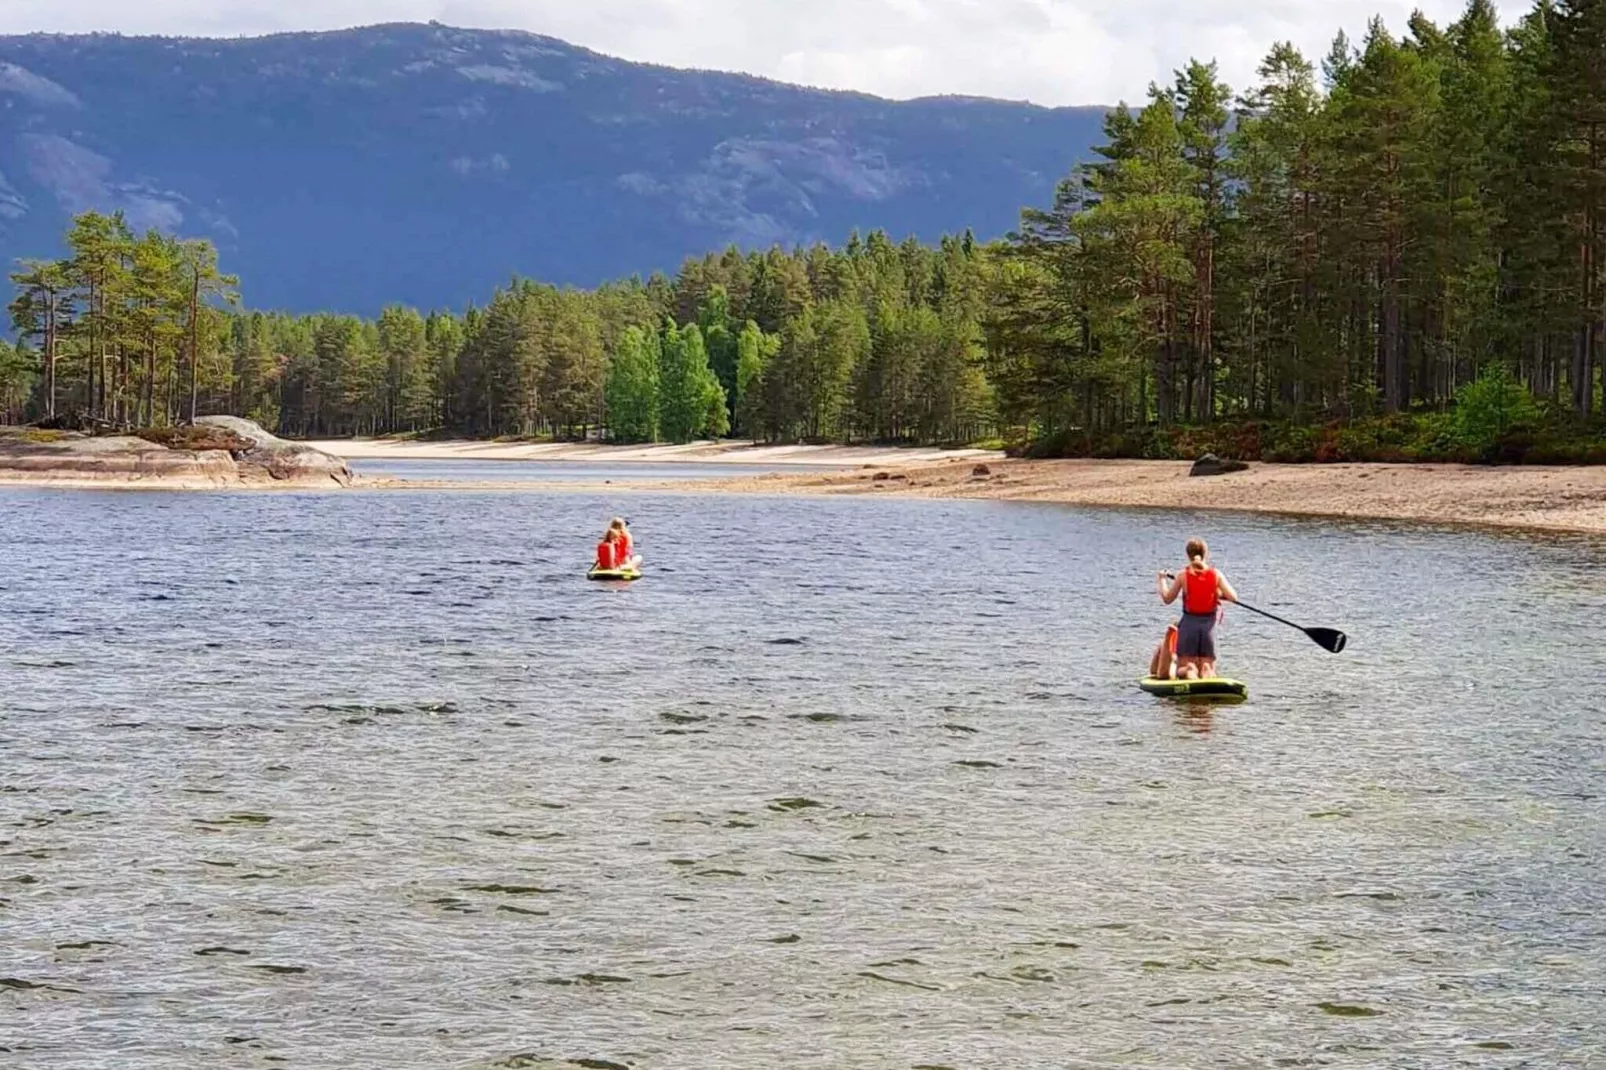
column 1394, row 251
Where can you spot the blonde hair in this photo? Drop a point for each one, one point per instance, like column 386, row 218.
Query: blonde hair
column 1197, row 551
column 616, row 524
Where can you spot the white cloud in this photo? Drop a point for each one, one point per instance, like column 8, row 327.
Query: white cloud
column 1050, row 51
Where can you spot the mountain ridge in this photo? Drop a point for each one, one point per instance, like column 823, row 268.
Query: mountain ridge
column 423, row 163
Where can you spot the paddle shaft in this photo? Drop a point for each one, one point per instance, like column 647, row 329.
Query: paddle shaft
column 1324, row 637
column 1272, row 616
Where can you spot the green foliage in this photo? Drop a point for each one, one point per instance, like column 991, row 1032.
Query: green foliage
column 691, row 403
column 632, row 390
column 409, row 373
column 19, row 370
column 195, row 437
column 755, row 352
column 1316, row 270
column 720, row 338
column 127, row 326
column 1490, row 408
column 1527, row 436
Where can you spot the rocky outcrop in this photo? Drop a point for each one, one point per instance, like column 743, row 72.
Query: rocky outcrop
column 66, row 457
column 277, row 459
column 30, row 455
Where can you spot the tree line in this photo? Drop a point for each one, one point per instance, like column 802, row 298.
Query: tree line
column 1368, row 239
column 124, row 320
column 1367, row 235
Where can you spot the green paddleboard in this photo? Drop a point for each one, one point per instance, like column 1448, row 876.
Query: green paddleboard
column 614, row 575
column 1216, row 689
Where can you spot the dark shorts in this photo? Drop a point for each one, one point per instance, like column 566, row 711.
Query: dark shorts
column 1196, row 635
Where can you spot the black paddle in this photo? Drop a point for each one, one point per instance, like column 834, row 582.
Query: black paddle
column 1328, row 639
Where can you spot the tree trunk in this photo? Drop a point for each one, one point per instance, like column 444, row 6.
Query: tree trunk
column 99, row 303
column 1205, row 329
column 170, row 410
column 1584, row 360
column 124, row 406
column 1390, row 340
column 147, row 411
column 50, row 356
column 89, row 360
column 195, row 306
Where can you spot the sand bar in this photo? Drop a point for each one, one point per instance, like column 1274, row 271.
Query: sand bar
column 1533, row 497
column 1560, row 499
column 691, row 453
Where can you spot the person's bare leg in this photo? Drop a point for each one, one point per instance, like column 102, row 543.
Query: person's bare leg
column 1207, row 667
column 1160, row 663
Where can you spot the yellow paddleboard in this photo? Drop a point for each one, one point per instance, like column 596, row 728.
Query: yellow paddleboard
column 1216, row 689
column 616, row 575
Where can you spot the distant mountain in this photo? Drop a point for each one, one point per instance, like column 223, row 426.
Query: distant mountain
column 428, row 164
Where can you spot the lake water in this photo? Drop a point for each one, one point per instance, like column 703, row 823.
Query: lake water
column 378, row 779
column 573, row 471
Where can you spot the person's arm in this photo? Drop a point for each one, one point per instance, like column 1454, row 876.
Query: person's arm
column 1224, row 589
column 1168, row 594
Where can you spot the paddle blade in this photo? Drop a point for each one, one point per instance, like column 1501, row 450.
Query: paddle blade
column 1328, row 638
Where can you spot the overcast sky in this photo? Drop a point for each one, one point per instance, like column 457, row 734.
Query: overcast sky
column 1049, row 51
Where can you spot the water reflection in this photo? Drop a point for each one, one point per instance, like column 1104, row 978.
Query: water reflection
column 1196, row 717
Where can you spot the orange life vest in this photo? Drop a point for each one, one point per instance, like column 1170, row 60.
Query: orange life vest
column 605, row 555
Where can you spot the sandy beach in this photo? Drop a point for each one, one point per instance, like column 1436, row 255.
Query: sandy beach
column 1527, row 497
column 1561, row 499
column 1540, row 498
column 367, row 449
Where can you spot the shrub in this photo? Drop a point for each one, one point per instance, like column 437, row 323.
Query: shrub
column 37, row 435
column 1491, row 411
column 195, row 438
column 1292, row 444
column 1495, row 422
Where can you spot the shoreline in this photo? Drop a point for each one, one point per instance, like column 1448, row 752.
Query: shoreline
column 1558, row 500
column 1516, row 498
column 707, row 452
column 1531, row 498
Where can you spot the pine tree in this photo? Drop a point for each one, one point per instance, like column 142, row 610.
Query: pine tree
column 1137, row 233
column 1277, row 335
column 1578, row 89
column 19, row 369
column 205, row 283
column 632, row 389
column 100, row 246
column 409, row 380
column 1202, row 99
column 155, row 313
column 756, row 353
column 444, row 337
column 690, row 399
column 43, row 305
column 719, row 335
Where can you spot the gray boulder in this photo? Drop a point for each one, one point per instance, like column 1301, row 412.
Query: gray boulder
column 279, row 459
column 1211, row 465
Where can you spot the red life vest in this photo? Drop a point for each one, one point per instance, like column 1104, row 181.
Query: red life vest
column 626, row 547
column 605, row 557
column 1199, row 592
